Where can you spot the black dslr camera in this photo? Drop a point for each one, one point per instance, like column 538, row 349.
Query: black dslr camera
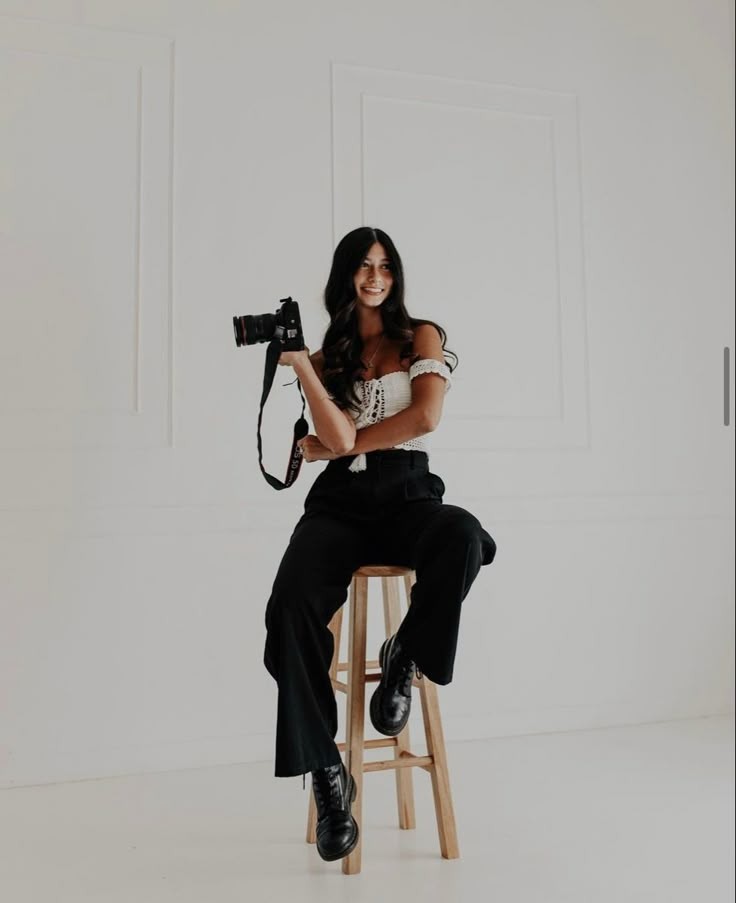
column 284, row 325
column 283, row 332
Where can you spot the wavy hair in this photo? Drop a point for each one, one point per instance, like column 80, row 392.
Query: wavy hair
column 342, row 345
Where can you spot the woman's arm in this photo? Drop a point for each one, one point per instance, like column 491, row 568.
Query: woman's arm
column 335, row 428
column 406, row 424
column 421, row 417
column 428, row 389
column 423, row 414
column 400, row 427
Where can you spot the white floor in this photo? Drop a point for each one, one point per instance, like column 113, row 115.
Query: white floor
column 642, row 813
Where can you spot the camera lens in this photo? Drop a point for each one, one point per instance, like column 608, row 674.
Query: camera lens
column 250, row 330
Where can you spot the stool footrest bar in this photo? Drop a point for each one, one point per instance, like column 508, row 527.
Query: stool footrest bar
column 370, row 744
column 406, row 761
column 369, row 663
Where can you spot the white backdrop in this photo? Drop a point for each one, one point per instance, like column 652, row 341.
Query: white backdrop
column 558, row 179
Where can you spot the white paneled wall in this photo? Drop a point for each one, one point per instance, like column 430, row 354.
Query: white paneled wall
column 558, row 180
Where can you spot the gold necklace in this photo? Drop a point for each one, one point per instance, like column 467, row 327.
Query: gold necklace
column 370, row 362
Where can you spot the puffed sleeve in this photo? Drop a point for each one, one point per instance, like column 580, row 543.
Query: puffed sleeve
column 430, row 365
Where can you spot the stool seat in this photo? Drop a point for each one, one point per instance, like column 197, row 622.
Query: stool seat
column 382, row 570
column 434, row 762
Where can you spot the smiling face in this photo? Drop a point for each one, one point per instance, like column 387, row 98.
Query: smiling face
column 373, row 279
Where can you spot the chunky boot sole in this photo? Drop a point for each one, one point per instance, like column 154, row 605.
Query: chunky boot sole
column 375, row 713
column 354, row 842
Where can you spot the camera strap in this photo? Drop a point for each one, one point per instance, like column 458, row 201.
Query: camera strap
column 301, row 427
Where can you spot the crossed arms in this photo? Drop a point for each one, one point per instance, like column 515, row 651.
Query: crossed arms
column 335, row 428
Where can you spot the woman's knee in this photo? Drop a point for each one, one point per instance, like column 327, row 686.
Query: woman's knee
column 297, row 600
column 284, row 603
column 464, row 531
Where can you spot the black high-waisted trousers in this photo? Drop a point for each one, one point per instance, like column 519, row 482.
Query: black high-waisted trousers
column 391, row 513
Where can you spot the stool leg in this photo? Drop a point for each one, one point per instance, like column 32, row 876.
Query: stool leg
column 404, row 776
column 355, row 723
column 336, row 629
column 443, row 807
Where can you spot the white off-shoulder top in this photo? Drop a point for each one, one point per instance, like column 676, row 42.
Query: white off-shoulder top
column 387, row 395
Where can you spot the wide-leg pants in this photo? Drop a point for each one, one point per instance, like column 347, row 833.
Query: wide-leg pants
column 391, row 513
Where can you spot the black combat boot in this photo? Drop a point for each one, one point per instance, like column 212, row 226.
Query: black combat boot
column 337, row 831
column 391, row 702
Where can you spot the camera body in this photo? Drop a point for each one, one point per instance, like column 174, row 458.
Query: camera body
column 285, row 325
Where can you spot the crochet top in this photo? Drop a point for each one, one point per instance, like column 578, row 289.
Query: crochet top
column 387, row 395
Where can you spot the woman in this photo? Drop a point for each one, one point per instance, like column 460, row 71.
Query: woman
column 374, row 390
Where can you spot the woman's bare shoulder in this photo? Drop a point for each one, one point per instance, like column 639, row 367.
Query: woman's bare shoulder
column 422, row 330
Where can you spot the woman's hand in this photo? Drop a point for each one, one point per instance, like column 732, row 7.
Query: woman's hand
column 295, row 359
column 313, row 450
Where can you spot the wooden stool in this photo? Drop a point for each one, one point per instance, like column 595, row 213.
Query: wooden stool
column 435, row 762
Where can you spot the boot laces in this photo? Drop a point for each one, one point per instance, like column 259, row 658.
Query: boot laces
column 328, row 791
column 406, row 669
column 405, row 676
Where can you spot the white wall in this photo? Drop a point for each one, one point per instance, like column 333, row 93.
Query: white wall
column 558, row 179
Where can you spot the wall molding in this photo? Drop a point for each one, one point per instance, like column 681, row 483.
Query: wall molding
column 147, row 61
column 135, row 521
column 568, row 424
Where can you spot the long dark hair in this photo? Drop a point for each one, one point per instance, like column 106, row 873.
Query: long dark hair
column 342, row 345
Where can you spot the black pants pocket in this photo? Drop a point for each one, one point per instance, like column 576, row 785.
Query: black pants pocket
column 424, row 485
